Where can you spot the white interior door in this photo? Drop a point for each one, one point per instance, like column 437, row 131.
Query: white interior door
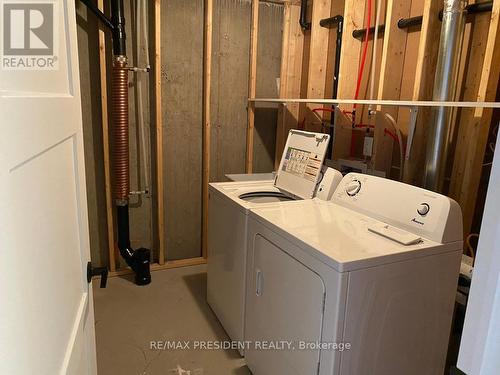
column 46, row 311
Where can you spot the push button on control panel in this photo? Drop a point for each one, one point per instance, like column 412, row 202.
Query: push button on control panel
column 423, row 209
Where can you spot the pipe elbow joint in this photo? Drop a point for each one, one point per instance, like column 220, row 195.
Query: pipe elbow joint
column 139, row 260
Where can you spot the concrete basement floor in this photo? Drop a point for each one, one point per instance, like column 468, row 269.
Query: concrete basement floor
column 172, row 307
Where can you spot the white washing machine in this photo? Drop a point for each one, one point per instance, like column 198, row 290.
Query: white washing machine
column 229, row 202
column 362, row 284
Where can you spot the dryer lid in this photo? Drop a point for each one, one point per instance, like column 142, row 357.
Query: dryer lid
column 300, row 165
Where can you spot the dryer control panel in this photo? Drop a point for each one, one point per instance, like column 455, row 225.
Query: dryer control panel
column 416, row 210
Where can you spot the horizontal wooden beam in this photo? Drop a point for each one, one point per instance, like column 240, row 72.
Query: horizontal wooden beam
column 167, row 265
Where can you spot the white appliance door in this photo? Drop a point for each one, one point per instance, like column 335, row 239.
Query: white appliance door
column 284, row 302
column 46, row 319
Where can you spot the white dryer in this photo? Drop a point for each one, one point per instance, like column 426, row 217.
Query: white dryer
column 362, row 284
column 229, row 202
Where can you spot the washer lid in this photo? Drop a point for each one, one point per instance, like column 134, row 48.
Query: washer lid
column 300, row 165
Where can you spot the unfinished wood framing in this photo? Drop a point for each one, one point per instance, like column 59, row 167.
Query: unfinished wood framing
column 306, row 72
column 391, row 74
column 467, row 168
column 337, row 9
column 159, row 134
column 285, row 56
column 407, row 69
column 318, row 58
column 252, row 84
column 165, row 266
column 207, row 65
column 105, row 140
column 290, row 76
column 423, row 86
column 354, row 15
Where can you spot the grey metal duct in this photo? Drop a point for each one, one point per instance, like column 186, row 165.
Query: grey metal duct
column 445, row 81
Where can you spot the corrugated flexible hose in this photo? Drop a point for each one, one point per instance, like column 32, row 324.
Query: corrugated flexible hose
column 120, row 131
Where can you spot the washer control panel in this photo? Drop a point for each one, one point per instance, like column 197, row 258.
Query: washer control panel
column 418, row 211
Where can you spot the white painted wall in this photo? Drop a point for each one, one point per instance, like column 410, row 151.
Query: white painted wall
column 480, row 346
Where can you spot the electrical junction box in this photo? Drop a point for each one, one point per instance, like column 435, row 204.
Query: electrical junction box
column 368, row 146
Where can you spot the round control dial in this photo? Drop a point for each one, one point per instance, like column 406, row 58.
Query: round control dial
column 353, row 188
column 423, row 209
